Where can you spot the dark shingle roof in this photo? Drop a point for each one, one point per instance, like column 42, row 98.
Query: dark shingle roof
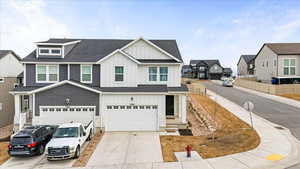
column 227, row 70
column 284, row 48
column 92, row 50
column 208, row 62
column 157, row 61
column 3, row 53
column 21, row 75
column 54, row 40
column 248, row 58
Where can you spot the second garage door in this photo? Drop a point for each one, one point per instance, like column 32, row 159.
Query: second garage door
column 131, row 118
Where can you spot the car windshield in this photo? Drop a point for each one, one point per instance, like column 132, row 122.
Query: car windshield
column 21, row 140
column 66, row 132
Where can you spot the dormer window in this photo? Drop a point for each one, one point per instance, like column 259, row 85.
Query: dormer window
column 49, row 51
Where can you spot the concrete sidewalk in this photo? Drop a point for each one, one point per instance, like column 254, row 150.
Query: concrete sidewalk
column 280, row 99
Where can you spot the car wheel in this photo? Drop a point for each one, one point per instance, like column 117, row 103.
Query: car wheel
column 77, row 152
column 41, row 150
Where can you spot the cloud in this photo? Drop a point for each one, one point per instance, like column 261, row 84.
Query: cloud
column 24, row 22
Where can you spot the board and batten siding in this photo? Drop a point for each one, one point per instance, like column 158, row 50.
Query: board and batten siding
column 108, row 71
column 142, row 50
column 174, row 75
column 281, row 63
column 138, row 99
column 264, row 65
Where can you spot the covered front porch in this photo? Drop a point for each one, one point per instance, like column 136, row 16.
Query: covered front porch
column 24, row 109
column 176, row 111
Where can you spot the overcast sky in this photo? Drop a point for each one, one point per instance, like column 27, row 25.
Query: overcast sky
column 204, row 30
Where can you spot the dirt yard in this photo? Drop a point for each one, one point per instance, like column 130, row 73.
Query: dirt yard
column 3, row 152
column 87, row 153
column 291, row 96
column 231, row 134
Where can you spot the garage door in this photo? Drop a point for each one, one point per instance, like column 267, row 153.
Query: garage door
column 131, row 118
column 55, row 115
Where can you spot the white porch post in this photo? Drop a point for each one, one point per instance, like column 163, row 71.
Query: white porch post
column 183, row 108
column 17, row 117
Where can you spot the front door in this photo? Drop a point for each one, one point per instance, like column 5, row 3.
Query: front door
column 170, row 105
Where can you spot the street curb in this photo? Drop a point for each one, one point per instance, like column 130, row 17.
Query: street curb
column 292, row 158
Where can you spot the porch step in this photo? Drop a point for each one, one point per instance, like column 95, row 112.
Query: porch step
column 171, row 129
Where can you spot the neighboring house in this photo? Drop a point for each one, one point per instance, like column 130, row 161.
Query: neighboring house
column 123, row 85
column 227, row 72
column 206, row 69
column 278, row 61
column 246, row 65
column 186, row 71
column 10, row 67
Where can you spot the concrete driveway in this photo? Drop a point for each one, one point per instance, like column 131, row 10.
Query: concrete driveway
column 127, row 148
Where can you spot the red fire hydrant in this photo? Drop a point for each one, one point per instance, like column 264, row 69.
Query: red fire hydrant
column 188, row 150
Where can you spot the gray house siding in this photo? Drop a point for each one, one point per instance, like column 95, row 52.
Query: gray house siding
column 31, row 75
column 68, row 48
column 96, row 75
column 57, row 96
column 75, row 72
column 63, row 72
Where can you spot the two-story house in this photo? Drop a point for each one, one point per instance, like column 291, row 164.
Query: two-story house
column 278, row 61
column 123, row 85
column 206, row 69
column 10, row 68
column 246, row 65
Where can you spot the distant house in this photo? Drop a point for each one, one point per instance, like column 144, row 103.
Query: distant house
column 227, row 72
column 186, row 71
column 10, row 68
column 206, row 69
column 246, row 65
column 278, row 61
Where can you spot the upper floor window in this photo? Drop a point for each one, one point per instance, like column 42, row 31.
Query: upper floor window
column 163, row 73
column 49, row 51
column 201, row 68
column 119, row 73
column 86, row 73
column 152, row 73
column 289, row 66
column 47, row 73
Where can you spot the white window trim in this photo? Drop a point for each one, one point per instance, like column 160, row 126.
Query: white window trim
column 47, row 74
column 119, row 74
column 50, row 51
column 81, row 74
column 2, row 81
column 158, row 74
column 289, row 67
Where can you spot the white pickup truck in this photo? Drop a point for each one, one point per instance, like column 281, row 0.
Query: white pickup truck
column 67, row 141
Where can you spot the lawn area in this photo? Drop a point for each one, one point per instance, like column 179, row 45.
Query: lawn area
column 291, row 96
column 3, row 152
column 232, row 135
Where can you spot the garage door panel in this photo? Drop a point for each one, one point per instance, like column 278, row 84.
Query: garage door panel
column 131, row 119
column 55, row 115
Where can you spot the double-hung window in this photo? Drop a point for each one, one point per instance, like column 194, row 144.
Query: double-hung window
column 163, row 73
column 289, row 66
column 152, row 73
column 86, row 73
column 119, row 73
column 47, row 73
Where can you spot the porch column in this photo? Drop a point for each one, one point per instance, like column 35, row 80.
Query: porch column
column 17, row 117
column 183, row 108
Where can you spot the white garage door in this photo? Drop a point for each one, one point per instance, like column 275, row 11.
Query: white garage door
column 56, row 115
column 131, row 118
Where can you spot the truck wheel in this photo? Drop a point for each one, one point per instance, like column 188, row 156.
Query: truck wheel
column 77, row 152
column 41, row 150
